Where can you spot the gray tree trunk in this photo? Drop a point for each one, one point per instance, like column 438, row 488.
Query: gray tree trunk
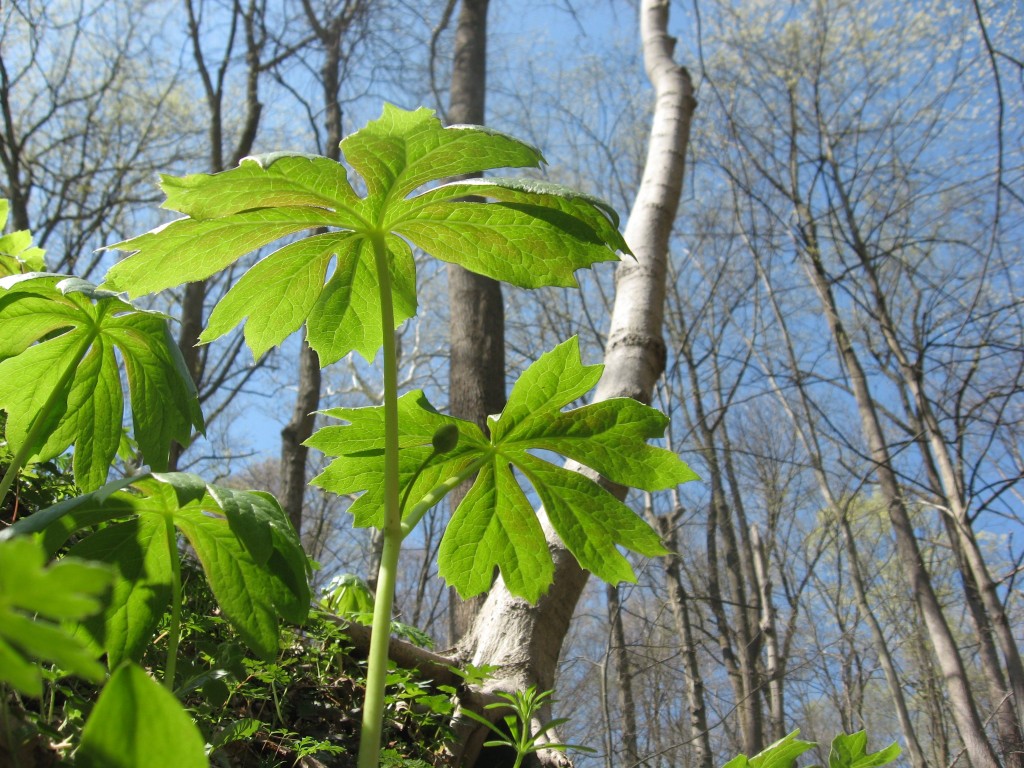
column 989, row 617
column 476, row 371
column 961, row 698
column 700, row 736
column 623, row 677
column 808, row 435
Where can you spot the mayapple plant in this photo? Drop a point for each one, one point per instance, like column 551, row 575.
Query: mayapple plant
column 404, row 455
column 351, row 283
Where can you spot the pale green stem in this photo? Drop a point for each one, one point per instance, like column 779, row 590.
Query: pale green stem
column 52, row 696
column 174, row 633
column 377, row 670
column 438, row 492
column 39, row 422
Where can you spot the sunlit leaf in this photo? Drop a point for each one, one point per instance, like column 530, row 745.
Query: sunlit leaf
column 61, row 385
column 36, row 602
column 530, row 233
column 17, row 253
column 136, row 722
column 243, row 540
column 850, row 751
column 782, row 754
column 496, row 525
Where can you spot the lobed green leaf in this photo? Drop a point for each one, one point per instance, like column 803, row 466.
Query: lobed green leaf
column 850, row 751
column 60, row 383
column 187, row 250
column 249, row 552
column 17, row 253
column 782, row 754
column 280, row 180
column 35, row 603
column 533, row 234
column 138, row 722
column 359, row 447
column 495, row 526
column 401, row 151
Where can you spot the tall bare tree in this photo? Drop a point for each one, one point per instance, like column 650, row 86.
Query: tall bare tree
column 89, row 111
column 524, row 640
column 338, row 29
column 859, row 206
column 228, row 141
column 476, row 373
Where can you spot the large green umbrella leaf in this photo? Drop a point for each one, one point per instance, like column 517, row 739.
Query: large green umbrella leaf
column 529, row 234
column 248, row 550
column 60, row 382
column 495, row 525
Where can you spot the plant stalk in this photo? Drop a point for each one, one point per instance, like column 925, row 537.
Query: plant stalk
column 438, row 492
column 39, row 422
column 174, row 632
column 380, row 633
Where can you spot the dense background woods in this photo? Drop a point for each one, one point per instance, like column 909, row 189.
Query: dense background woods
column 843, row 327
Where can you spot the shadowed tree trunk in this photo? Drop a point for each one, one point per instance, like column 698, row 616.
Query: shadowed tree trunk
column 700, row 736
column 476, row 371
column 623, row 677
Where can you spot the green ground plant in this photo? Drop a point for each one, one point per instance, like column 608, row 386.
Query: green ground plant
column 847, row 751
column 518, row 733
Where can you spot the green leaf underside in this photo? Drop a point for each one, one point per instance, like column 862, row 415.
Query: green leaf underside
column 268, row 181
column 534, row 234
column 495, row 525
column 49, row 326
column 850, row 751
column 360, row 450
column 289, row 281
column 248, row 549
column 401, row 151
column 34, row 601
column 142, row 591
column 138, row 722
column 781, row 754
column 187, row 250
column 346, row 316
